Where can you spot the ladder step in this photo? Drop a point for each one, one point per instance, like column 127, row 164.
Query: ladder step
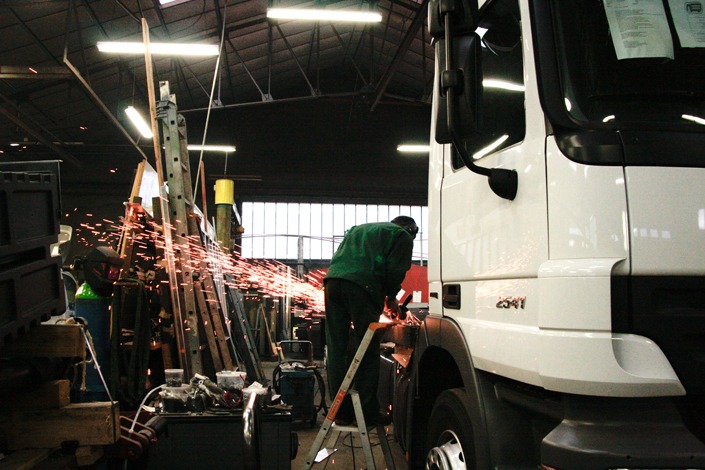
column 329, row 425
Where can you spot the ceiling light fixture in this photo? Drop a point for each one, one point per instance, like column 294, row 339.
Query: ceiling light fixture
column 139, row 122
column 324, row 15
column 212, row 148
column 695, row 119
column 171, row 3
column 410, row 148
column 159, row 48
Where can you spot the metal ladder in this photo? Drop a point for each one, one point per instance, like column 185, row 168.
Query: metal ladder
column 329, row 425
column 186, row 322
column 242, row 334
column 194, row 298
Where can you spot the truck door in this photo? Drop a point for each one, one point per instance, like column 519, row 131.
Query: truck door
column 492, row 247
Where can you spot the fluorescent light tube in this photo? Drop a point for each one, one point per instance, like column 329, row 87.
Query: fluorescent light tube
column 695, row 119
column 159, row 48
column 212, row 148
column 406, row 148
column 324, row 15
column 139, row 122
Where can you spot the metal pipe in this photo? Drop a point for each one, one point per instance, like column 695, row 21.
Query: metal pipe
column 96, row 99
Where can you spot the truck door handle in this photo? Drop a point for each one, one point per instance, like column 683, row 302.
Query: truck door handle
column 451, row 296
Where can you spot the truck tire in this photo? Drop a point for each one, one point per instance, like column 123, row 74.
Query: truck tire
column 449, row 442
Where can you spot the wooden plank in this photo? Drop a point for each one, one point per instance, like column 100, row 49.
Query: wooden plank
column 272, row 344
column 50, row 395
column 58, row 340
column 217, row 319
column 87, row 423
column 208, row 326
column 24, row 459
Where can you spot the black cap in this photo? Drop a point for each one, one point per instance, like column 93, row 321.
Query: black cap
column 408, row 224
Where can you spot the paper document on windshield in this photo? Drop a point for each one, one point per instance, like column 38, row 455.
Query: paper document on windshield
column 639, row 29
column 689, row 19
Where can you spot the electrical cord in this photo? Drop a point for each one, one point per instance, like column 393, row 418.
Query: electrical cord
column 210, row 99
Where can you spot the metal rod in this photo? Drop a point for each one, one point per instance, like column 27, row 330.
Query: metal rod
column 247, row 70
column 96, row 364
column 202, row 172
column 296, row 59
column 346, row 53
column 96, row 99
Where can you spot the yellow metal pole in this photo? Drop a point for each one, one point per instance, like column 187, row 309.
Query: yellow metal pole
column 224, row 200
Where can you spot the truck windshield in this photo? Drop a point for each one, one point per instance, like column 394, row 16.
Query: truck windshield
column 632, row 64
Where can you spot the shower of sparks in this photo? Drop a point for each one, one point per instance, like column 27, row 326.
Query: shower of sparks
column 269, row 277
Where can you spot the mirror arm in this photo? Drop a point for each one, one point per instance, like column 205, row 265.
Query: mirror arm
column 504, row 183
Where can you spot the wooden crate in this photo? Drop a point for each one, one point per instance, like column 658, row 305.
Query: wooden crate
column 90, row 424
column 59, row 340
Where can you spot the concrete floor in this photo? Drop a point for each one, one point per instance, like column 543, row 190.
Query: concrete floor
column 349, row 453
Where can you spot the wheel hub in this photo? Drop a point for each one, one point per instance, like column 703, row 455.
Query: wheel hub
column 447, row 455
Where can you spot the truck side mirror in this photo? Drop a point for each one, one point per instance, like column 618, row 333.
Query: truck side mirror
column 463, row 12
column 467, row 79
column 460, row 86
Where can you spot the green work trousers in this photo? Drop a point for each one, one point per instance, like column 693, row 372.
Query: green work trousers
column 347, row 302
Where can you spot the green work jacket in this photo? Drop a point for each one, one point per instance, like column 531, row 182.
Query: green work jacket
column 375, row 256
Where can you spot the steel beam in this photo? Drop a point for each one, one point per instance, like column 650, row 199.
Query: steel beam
column 247, row 70
column 40, row 138
column 296, row 59
column 346, row 53
column 403, row 47
column 35, row 73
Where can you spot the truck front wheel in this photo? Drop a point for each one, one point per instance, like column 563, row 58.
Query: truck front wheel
column 450, row 436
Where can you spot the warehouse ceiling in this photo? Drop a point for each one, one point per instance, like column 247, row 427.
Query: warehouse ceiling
column 315, row 109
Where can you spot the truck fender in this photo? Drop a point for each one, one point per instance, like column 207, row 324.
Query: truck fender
column 442, row 361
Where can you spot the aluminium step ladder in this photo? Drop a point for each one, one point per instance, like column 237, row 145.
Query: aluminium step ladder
column 329, row 425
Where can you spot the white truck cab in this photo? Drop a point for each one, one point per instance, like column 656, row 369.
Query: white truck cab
column 566, row 325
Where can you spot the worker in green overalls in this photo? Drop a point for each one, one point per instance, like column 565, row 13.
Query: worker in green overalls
column 365, row 274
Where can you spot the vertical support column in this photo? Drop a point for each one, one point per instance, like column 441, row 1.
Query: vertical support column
column 224, row 200
column 286, row 310
column 300, row 257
